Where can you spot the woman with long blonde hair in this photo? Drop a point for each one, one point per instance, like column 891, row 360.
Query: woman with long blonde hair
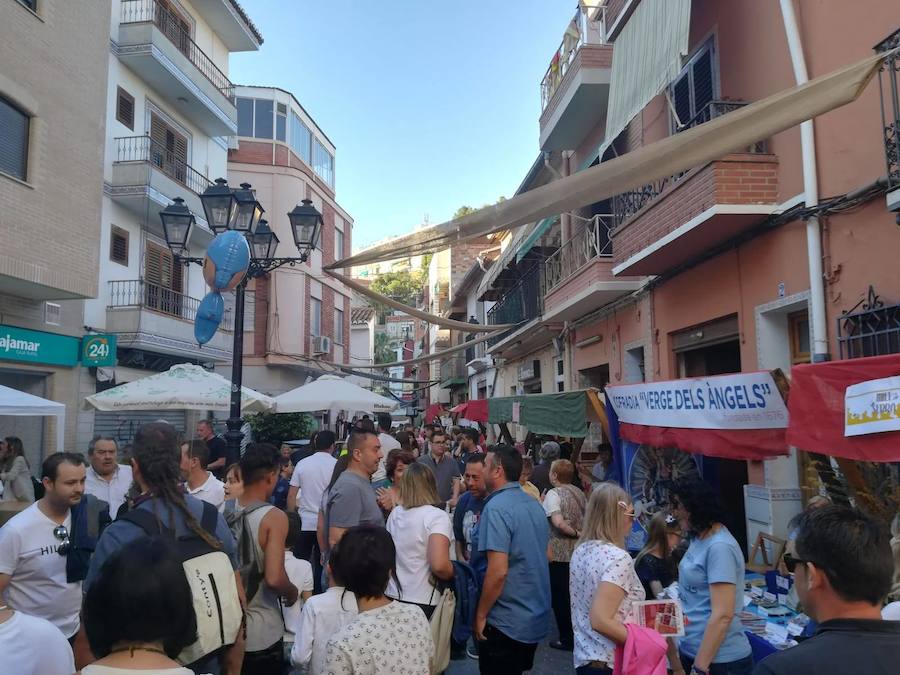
column 602, row 582
column 422, row 533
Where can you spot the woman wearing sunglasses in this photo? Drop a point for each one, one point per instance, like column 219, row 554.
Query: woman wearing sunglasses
column 711, row 585
column 602, row 580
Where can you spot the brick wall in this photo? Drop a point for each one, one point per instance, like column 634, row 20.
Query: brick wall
column 589, row 56
column 736, row 179
column 328, row 318
column 261, row 152
column 261, row 317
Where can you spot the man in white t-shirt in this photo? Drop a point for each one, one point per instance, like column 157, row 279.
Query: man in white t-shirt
column 311, row 476
column 34, row 545
column 106, row 478
column 388, row 443
column 33, row 646
column 200, row 483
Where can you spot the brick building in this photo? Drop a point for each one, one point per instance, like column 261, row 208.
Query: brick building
column 296, row 315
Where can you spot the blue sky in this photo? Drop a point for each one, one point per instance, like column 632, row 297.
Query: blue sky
column 431, row 105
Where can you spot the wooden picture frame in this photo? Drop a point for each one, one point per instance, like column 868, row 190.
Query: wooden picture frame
column 766, row 545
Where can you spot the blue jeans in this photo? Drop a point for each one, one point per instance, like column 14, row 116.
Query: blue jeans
column 742, row 666
column 590, row 670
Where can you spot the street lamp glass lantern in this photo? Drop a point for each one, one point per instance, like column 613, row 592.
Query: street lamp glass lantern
column 177, row 221
column 263, row 241
column 219, row 205
column 306, row 225
column 249, row 211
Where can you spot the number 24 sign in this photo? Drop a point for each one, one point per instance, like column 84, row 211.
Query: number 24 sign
column 98, row 350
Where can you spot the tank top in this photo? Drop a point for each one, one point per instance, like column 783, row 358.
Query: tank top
column 265, row 623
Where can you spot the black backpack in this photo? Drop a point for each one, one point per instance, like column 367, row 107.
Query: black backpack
column 211, row 577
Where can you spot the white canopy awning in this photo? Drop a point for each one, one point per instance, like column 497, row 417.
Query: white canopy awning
column 182, row 387
column 17, row 403
column 331, row 392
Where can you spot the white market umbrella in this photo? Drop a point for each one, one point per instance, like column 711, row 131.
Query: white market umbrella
column 331, row 392
column 182, row 387
column 17, row 403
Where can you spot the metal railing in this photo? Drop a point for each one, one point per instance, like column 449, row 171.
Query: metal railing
column 869, row 329
column 143, row 294
column 172, row 26
column 594, row 241
column 475, row 352
column 580, row 31
column 889, row 92
column 523, row 302
column 453, row 368
column 627, row 204
column 145, row 149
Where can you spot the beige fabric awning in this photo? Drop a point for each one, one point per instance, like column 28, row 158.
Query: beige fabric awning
column 667, row 157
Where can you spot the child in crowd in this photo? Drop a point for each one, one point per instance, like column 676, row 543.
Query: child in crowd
column 300, row 574
column 279, row 496
column 234, row 488
column 321, row 618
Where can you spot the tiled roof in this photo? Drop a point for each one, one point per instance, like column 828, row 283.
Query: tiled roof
column 246, row 18
column 361, row 315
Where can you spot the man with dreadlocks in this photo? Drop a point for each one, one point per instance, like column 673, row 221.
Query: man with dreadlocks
column 156, row 467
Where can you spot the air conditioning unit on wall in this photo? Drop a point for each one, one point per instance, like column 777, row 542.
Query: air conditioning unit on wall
column 321, row 344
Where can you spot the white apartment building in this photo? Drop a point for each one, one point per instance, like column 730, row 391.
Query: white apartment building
column 171, row 111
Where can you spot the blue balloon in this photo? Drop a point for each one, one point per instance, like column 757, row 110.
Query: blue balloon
column 209, row 316
column 228, row 258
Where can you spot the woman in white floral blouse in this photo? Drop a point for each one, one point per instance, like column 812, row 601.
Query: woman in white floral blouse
column 387, row 637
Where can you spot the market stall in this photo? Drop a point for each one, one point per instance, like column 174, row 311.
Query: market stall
column 15, row 403
column 333, row 393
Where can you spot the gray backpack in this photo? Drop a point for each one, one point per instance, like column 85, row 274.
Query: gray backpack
column 250, row 565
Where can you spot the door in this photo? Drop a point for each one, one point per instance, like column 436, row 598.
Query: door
column 168, row 149
column 163, row 281
column 174, row 25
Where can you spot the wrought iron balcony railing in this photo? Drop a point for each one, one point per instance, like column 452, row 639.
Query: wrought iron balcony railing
column 523, row 302
column 889, row 90
column 580, row 31
column 173, row 27
column 145, row 149
column 628, row 203
column 143, row 294
column 594, row 241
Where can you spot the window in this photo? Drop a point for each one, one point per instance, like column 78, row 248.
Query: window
column 168, row 149
column 281, row 123
column 245, row 116
column 300, row 138
column 798, row 329
column 338, row 244
column 118, row 245
column 323, row 162
column 262, row 119
column 125, row 108
column 339, row 326
column 164, row 279
column 13, row 140
column 315, row 316
column 694, row 88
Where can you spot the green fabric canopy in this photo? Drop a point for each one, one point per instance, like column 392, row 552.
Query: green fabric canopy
column 563, row 414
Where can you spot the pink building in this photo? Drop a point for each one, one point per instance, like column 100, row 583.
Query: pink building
column 299, row 316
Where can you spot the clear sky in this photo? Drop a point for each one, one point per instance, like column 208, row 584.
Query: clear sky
column 431, row 105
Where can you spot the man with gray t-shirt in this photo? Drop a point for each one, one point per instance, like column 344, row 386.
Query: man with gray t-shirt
column 351, row 501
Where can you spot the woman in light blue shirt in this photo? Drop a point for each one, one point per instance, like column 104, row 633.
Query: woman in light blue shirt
column 711, row 585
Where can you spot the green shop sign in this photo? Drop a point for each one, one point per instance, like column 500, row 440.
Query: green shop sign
column 34, row 346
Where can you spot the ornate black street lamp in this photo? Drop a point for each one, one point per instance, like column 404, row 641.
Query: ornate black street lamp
column 237, row 209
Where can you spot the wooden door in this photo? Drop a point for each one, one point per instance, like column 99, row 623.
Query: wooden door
column 163, row 281
column 169, row 149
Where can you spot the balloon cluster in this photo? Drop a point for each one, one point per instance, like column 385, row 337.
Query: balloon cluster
column 227, row 260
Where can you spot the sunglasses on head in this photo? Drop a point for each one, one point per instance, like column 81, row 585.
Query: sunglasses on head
column 62, row 534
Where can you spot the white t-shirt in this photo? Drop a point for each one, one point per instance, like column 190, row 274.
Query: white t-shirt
column 95, row 669
column 111, row 491
column 212, row 491
column 552, row 503
column 388, row 443
column 391, row 640
column 38, row 573
column 321, row 618
column 300, row 574
column 312, row 476
column 594, row 562
column 411, row 529
column 33, row 646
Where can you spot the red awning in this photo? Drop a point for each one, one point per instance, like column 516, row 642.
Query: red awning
column 434, row 410
column 475, row 410
column 816, row 409
column 726, row 443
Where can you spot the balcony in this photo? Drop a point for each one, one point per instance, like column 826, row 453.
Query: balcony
column 662, row 225
column 230, row 23
column 578, row 278
column 155, row 318
column 155, row 45
column 522, row 304
column 889, row 89
column 576, row 84
column 147, row 176
column 453, row 372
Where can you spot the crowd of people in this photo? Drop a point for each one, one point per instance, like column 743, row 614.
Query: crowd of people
column 338, row 561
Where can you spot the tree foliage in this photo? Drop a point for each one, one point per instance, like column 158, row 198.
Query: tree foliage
column 276, row 428
column 383, row 351
column 403, row 287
